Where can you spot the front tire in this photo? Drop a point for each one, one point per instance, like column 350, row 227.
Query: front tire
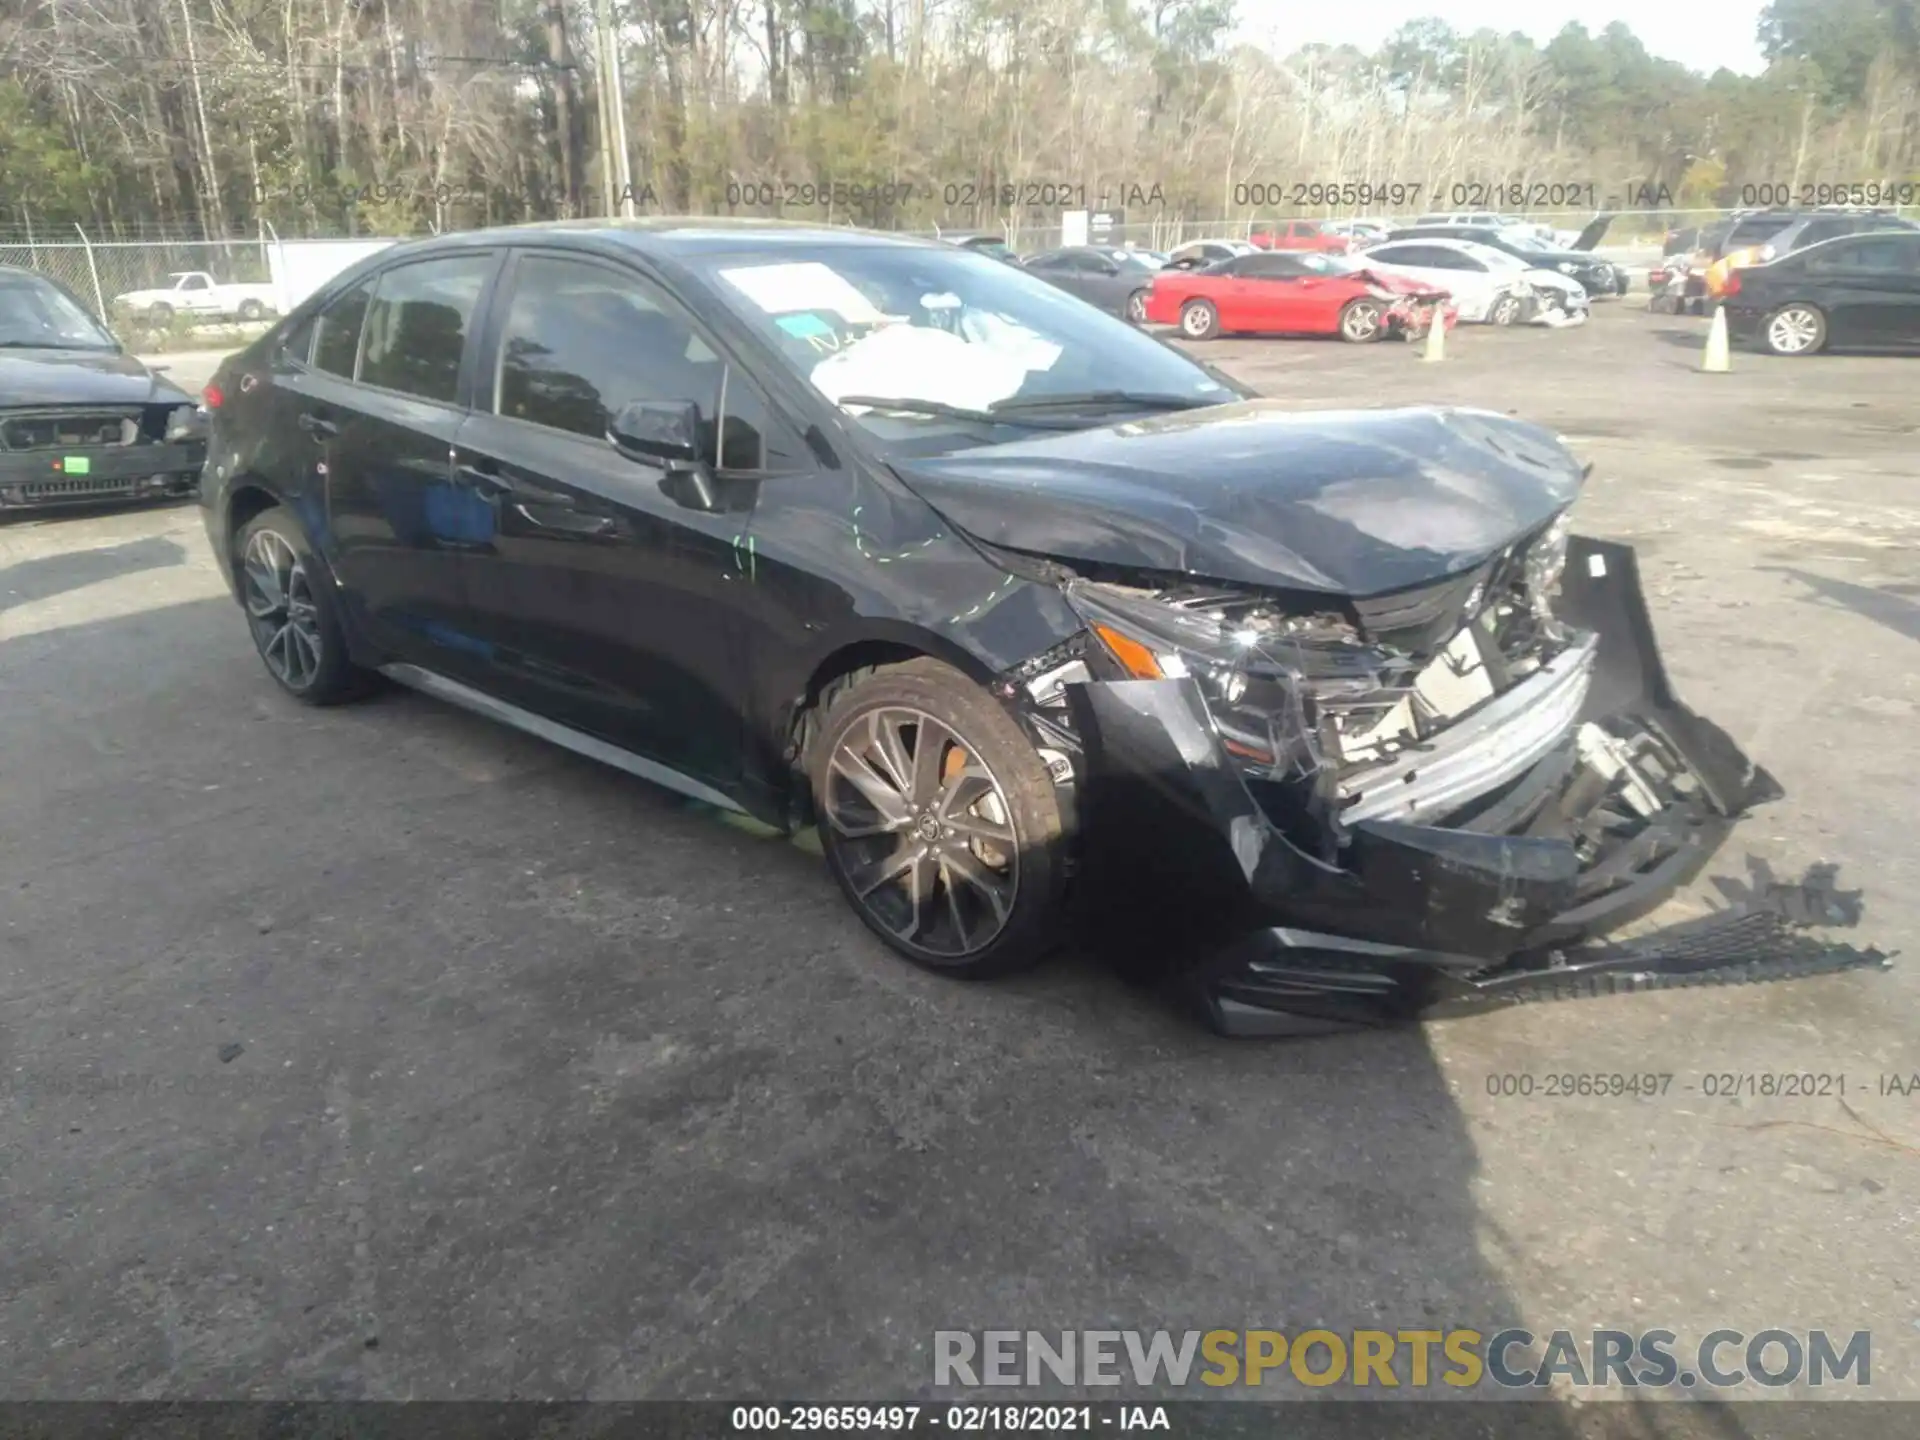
column 287, row 594
column 1795, row 329
column 1505, row 310
column 939, row 821
column 1137, row 307
column 1362, row 321
column 1199, row 320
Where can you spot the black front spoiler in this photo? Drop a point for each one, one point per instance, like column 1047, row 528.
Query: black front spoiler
column 1197, row 884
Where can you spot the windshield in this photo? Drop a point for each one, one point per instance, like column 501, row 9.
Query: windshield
column 36, row 313
column 951, row 331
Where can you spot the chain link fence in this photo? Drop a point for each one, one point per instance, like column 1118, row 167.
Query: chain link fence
column 97, row 271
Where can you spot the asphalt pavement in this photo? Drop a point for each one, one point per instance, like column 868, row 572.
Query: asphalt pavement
column 381, row 1052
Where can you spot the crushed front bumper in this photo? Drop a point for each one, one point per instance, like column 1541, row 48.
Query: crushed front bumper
column 1194, row 880
column 31, row 478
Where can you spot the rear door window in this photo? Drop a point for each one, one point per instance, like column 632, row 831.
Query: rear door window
column 417, row 325
column 337, row 338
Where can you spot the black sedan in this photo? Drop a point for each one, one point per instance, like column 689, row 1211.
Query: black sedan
column 82, row 421
column 1596, row 276
column 1115, row 280
column 1861, row 292
column 1013, row 602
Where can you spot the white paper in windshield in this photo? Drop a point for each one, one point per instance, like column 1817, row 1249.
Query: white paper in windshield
column 803, row 285
column 912, row 362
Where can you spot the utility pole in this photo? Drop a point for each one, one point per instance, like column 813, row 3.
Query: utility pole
column 615, row 89
column 567, row 107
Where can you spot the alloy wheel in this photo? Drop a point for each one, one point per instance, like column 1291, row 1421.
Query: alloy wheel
column 924, row 832
column 1793, row 330
column 1137, row 307
column 280, row 609
column 1361, row 322
column 1197, row 321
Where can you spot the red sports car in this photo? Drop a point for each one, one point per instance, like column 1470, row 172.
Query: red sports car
column 1295, row 294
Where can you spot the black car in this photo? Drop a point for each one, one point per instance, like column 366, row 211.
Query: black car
column 1828, row 225
column 82, row 421
column 984, row 243
column 1589, row 271
column 1114, row 280
column 1860, row 292
column 1047, row 628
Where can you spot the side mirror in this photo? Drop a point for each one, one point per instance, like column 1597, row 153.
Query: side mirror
column 667, row 433
column 660, row 432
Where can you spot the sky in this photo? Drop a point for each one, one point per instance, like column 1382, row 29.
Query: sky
column 1703, row 35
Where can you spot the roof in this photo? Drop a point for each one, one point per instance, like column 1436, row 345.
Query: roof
column 679, row 236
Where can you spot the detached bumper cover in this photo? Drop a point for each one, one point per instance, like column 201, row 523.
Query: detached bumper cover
column 1592, row 826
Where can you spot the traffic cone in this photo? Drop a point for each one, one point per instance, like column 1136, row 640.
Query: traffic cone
column 1436, row 338
column 1719, row 356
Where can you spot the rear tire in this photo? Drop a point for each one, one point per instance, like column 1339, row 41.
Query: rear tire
column 287, row 593
column 1362, row 321
column 251, row 310
column 1796, row 329
column 160, row 315
column 953, row 855
column 1199, row 320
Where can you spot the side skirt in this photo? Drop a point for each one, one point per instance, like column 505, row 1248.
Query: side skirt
column 480, row 703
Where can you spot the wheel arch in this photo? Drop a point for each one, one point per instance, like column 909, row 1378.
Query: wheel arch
column 848, row 656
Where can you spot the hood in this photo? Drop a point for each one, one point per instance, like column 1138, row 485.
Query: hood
column 82, row 377
column 1351, row 502
column 1590, row 237
column 1543, row 279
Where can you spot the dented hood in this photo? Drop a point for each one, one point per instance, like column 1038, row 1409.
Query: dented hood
column 81, row 377
column 1355, row 502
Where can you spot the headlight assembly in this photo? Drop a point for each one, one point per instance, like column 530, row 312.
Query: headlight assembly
column 186, row 422
column 1546, row 561
column 1268, row 677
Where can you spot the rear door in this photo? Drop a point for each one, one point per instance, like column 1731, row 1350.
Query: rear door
column 380, row 406
column 1872, row 284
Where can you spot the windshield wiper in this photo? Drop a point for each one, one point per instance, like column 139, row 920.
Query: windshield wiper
column 941, row 410
column 1081, row 400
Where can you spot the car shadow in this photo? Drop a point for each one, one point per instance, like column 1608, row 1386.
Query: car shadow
column 1884, row 606
column 43, row 577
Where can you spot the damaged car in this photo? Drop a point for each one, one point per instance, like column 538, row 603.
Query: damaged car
column 81, row 421
column 1048, row 629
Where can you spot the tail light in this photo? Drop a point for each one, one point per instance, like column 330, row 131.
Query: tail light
column 213, row 397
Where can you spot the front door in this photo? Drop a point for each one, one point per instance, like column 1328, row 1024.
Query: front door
column 608, row 592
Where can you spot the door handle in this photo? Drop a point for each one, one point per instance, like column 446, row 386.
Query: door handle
column 487, row 482
column 566, row 521
column 318, row 426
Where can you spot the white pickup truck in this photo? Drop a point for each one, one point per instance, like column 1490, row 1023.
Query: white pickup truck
column 196, row 293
